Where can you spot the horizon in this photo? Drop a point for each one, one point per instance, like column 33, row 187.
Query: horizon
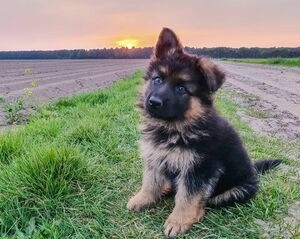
column 118, row 47
column 70, row 25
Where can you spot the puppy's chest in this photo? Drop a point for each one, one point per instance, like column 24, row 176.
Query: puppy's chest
column 165, row 156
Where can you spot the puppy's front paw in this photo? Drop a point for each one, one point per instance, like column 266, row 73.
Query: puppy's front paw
column 140, row 201
column 173, row 228
column 181, row 221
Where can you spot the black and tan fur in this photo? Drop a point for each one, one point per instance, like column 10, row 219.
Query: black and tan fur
column 186, row 146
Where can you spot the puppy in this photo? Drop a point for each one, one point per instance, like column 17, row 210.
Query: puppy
column 186, row 146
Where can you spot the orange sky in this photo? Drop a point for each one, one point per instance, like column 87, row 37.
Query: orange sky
column 69, row 24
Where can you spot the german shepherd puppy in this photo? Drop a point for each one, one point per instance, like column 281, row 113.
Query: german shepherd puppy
column 187, row 147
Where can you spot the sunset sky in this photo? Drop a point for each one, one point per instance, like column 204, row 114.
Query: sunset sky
column 70, row 24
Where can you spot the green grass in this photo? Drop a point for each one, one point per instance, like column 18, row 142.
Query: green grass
column 293, row 62
column 70, row 171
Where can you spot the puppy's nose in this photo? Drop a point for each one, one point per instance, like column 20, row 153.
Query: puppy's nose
column 155, row 102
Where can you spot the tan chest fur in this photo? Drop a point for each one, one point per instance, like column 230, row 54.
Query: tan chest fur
column 160, row 156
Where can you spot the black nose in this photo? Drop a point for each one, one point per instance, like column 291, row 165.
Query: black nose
column 155, row 102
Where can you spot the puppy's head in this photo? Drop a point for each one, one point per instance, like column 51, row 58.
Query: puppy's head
column 178, row 86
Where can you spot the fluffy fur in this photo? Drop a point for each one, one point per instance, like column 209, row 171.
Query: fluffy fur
column 187, row 147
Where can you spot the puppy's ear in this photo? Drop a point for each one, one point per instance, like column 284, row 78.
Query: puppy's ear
column 214, row 77
column 168, row 44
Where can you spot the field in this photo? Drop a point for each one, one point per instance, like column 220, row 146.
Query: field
column 37, row 81
column 69, row 172
column 268, row 89
column 57, row 78
column 294, row 62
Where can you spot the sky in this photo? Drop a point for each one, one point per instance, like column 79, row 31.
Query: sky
column 89, row 24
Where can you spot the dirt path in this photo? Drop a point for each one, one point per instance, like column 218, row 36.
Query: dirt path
column 275, row 91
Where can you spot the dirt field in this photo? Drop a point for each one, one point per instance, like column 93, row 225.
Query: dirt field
column 272, row 90
column 54, row 79
column 58, row 78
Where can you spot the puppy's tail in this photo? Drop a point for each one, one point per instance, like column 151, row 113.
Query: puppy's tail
column 262, row 166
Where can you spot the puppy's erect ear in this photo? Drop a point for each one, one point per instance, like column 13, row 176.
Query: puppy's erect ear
column 214, row 77
column 168, row 44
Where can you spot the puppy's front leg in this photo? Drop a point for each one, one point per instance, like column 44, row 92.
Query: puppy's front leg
column 188, row 210
column 150, row 193
column 193, row 190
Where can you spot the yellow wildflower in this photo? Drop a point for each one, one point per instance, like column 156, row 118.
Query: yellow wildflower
column 33, row 84
column 27, row 71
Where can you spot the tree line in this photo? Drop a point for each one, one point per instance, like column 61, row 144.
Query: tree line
column 145, row 52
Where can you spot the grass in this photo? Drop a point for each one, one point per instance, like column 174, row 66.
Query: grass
column 292, row 62
column 69, row 172
column 13, row 110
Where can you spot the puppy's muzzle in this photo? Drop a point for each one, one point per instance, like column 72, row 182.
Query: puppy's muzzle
column 155, row 103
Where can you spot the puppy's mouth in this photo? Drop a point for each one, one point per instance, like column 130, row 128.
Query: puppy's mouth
column 154, row 113
column 158, row 114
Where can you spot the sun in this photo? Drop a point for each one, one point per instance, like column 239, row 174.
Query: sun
column 129, row 43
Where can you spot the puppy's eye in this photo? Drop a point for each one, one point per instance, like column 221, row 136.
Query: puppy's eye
column 180, row 89
column 157, row 80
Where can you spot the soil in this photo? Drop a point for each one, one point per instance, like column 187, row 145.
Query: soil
column 53, row 79
column 274, row 91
